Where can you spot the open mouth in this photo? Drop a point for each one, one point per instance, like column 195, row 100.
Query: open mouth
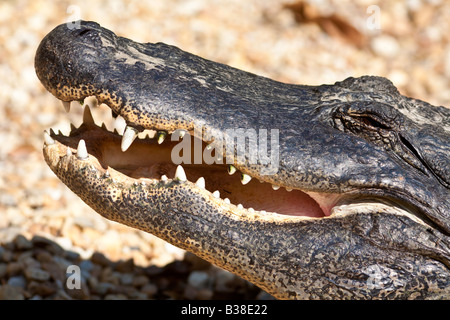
column 147, row 158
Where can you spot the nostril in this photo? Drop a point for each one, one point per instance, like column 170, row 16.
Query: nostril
column 83, row 32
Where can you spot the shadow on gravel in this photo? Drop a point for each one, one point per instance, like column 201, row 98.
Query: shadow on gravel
column 39, row 268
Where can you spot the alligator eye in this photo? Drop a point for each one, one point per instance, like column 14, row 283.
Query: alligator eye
column 371, row 122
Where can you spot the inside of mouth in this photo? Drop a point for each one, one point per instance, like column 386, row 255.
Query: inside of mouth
column 147, row 158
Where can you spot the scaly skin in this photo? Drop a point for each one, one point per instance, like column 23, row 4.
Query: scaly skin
column 375, row 162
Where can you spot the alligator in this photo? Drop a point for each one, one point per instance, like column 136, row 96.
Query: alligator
column 336, row 191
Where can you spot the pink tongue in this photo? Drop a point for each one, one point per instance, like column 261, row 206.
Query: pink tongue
column 295, row 202
column 325, row 201
column 261, row 196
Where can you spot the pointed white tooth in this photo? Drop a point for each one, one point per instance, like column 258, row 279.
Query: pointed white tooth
column 91, row 101
column 231, row 169
column 201, row 182
column 68, row 152
column 151, row 133
column 227, row 201
column 240, row 206
column 66, row 105
column 288, row 189
column 216, row 194
column 180, row 174
column 274, row 187
column 161, row 136
column 120, row 124
column 142, row 135
column 82, row 151
column 128, row 137
column 251, row 210
column 147, row 133
column 245, row 178
column 47, row 139
column 182, row 133
column 87, row 116
column 164, row 178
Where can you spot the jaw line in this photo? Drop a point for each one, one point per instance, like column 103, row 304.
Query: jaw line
column 333, row 205
column 97, row 139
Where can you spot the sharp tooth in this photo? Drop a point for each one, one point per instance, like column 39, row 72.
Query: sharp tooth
column 91, row 101
column 245, row 178
column 151, row 133
column 227, row 201
column 180, row 174
column 87, row 116
column 201, row 183
column 128, row 137
column 216, row 194
column 251, row 210
column 66, row 105
column 142, row 135
column 68, row 152
column 274, row 187
column 82, row 151
column 120, row 124
column 231, row 169
column 161, row 136
column 164, row 178
column 240, row 206
column 47, row 139
column 147, row 133
column 288, row 189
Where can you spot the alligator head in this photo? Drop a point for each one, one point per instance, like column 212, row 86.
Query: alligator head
column 343, row 189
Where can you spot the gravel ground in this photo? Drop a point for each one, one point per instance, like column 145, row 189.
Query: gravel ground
column 44, row 228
